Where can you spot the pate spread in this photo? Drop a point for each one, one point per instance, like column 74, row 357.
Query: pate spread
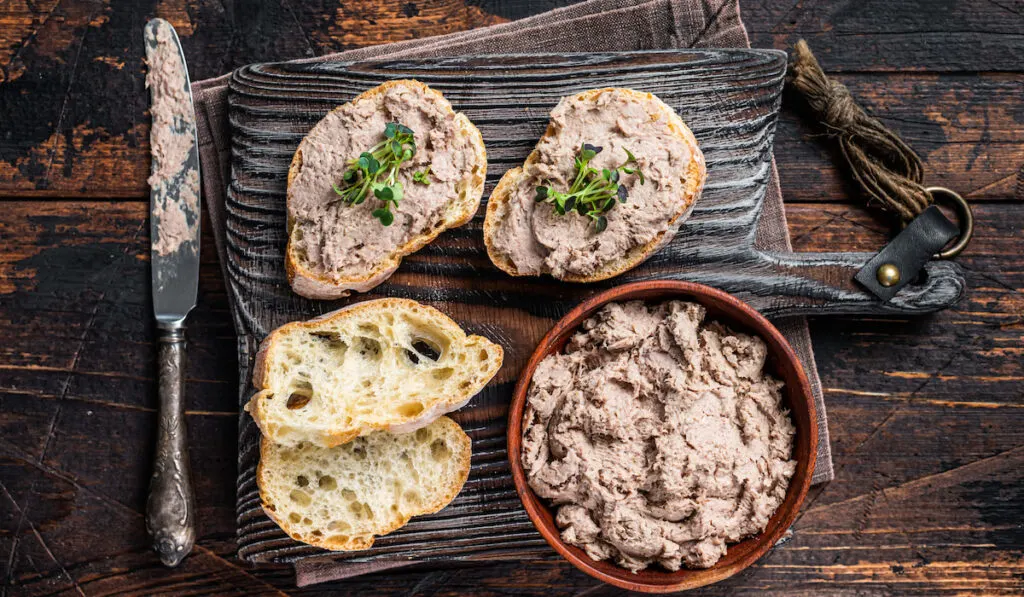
column 537, row 240
column 339, row 238
column 658, row 437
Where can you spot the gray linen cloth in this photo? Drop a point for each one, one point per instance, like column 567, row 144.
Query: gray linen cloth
column 592, row 26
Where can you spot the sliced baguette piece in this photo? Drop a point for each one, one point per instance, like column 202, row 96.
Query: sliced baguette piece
column 386, row 364
column 502, row 203
column 319, row 225
column 341, row 498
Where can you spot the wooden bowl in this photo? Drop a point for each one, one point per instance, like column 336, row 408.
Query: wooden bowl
column 782, row 362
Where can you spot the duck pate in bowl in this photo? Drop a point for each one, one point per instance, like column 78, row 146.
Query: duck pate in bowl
column 661, row 436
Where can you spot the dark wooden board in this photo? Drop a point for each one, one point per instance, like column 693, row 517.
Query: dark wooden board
column 274, row 106
column 729, row 98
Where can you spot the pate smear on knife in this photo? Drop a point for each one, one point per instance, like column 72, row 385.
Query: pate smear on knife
column 172, row 136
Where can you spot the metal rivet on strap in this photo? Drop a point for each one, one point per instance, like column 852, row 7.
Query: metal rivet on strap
column 888, row 275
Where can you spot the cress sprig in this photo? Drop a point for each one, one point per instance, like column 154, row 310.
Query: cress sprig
column 592, row 193
column 423, row 176
column 376, row 170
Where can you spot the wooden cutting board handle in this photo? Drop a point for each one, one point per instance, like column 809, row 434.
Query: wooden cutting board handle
column 823, row 284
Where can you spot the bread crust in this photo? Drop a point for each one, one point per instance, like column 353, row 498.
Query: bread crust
column 695, row 176
column 355, row 543
column 261, row 372
column 313, row 285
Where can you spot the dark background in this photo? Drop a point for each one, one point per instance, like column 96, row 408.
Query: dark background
column 927, row 414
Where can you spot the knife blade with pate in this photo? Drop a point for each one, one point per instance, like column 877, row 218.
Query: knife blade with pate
column 174, row 259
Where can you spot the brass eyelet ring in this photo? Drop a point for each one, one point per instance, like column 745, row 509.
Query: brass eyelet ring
column 965, row 219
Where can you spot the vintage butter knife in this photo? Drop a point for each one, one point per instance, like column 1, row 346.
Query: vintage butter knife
column 174, row 254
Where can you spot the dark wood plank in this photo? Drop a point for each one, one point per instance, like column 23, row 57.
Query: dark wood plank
column 64, row 133
column 877, row 35
column 929, row 516
column 97, row 145
column 266, row 99
column 941, row 516
column 71, row 273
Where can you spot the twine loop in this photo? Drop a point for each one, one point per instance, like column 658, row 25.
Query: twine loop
column 888, row 170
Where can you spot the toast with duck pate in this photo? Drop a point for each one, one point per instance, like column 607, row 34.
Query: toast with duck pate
column 612, row 179
column 351, row 219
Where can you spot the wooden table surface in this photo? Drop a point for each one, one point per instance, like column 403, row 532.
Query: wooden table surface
column 926, row 414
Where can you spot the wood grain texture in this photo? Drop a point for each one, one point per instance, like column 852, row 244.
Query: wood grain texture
column 64, row 133
column 922, row 514
column 925, row 413
column 966, row 128
column 912, row 63
column 877, row 35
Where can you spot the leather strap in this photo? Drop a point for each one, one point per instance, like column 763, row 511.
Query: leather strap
column 900, row 261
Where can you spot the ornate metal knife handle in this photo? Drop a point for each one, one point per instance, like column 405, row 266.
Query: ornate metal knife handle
column 170, row 509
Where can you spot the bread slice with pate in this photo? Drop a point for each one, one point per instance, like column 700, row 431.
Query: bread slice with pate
column 388, row 364
column 633, row 133
column 339, row 240
column 340, row 498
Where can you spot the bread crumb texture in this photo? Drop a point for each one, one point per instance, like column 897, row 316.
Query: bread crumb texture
column 339, row 498
column 391, row 364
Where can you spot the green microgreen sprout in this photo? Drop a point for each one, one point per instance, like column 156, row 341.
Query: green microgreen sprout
column 423, row 176
column 593, row 193
column 375, row 171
